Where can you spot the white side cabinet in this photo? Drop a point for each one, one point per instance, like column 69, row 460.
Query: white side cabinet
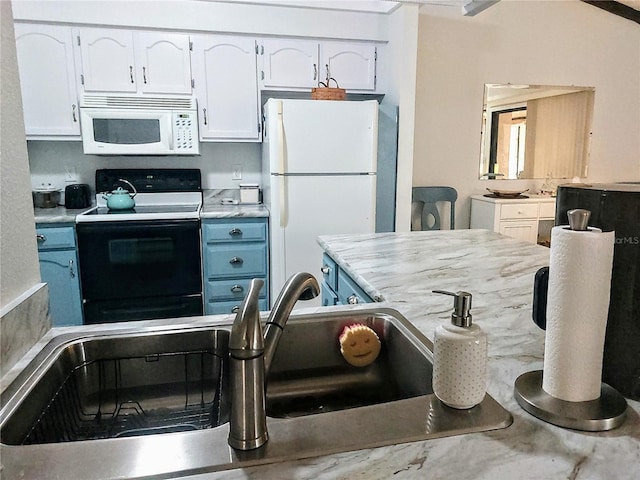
column 224, row 70
column 302, row 64
column 126, row 61
column 47, row 80
column 517, row 218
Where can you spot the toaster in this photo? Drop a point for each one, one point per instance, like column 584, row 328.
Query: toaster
column 77, row 196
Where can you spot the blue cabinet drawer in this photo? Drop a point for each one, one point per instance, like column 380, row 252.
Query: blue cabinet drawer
column 329, row 272
column 349, row 292
column 55, row 238
column 234, row 289
column 215, row 308
column 237, row 231
column 236, row 260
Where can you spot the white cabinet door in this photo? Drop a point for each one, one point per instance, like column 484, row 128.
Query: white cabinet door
column 352, row 65
column 47, row 80
column 107, row 60
column 289, row 64
column 523, row 230
column 123, row 61
column 163, row 62
column 226, row 87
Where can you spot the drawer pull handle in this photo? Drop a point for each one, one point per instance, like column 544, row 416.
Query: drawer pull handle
column 41, row 238
column 325, row 269
column 72, row 274
column 235, row 260
column 353, row 299
column 235, row 309
column 237, row 288
column 235, row 231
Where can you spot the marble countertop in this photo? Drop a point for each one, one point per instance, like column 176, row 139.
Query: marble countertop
column 213, row 206
column 58, row 214
column 402, row 269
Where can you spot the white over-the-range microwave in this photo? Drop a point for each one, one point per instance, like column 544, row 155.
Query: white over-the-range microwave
column 139, row 125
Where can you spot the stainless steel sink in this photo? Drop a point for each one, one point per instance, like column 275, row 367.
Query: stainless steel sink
column 155, row 403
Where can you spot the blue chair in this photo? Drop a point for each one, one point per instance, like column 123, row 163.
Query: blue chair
column 424, row 208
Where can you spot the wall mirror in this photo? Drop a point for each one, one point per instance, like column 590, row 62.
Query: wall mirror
column 535, row 131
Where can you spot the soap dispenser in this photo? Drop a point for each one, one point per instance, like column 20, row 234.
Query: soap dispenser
column 460, row 357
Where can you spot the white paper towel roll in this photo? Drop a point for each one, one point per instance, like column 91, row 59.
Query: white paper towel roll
column 577, row 307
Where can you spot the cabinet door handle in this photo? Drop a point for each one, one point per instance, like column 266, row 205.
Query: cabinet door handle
column 315, row 71
column 326, row 66
column 235, row 231
column 235, row 260
column 353, row 300
column 144, row 75
column 73, row 113
column 235, row 309
column 237, row 288
column 41, row 238
column 72, row 273
column 325, row 269
column 131, row 73
column 204, row 113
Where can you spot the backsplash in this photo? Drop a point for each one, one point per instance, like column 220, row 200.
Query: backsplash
column 63, row 163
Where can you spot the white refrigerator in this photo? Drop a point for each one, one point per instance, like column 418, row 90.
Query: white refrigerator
column 319, row 178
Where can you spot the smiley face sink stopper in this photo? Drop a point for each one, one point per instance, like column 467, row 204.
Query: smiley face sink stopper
column 359, row 345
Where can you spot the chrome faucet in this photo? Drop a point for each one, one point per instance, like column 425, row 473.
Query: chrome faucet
column 250, row 359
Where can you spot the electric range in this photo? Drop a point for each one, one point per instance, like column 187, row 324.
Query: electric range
column 146, row 262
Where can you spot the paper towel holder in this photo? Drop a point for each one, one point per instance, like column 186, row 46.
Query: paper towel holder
column 606, row 412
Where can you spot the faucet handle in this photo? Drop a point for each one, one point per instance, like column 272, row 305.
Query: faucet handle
column 246, row 339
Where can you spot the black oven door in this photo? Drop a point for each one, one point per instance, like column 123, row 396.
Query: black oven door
column 140, row 270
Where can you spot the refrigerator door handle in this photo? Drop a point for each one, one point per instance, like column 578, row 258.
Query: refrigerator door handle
column 281, row 167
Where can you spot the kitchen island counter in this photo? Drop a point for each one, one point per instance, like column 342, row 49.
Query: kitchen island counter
column 402, row 269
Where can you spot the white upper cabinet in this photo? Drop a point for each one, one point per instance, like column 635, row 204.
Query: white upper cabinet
column 107, row 60
column 47, row 80
column 352, row 65
column 124, row 61
column 301, row 64
column 289, row 64
column 224, row 70
column 164, row 62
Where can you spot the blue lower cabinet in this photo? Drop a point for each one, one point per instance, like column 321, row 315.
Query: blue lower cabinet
column 59, row 270
column 235, row 251
column 329, row 297
column 338, row 288
column 214, row 307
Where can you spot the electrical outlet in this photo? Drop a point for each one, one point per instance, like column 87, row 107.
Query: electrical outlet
column 236, row 173
column 70, row 175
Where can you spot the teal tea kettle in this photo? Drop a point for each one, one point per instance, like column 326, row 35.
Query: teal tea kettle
column 120, row 198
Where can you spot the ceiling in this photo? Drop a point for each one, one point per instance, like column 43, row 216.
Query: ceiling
column 629, row 9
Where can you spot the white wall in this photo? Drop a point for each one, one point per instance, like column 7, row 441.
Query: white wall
column 50, row 161
column 19, row 271
column 564, row 42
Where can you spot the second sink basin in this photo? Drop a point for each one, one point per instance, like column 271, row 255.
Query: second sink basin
column 309, row 374
column 143, row 403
